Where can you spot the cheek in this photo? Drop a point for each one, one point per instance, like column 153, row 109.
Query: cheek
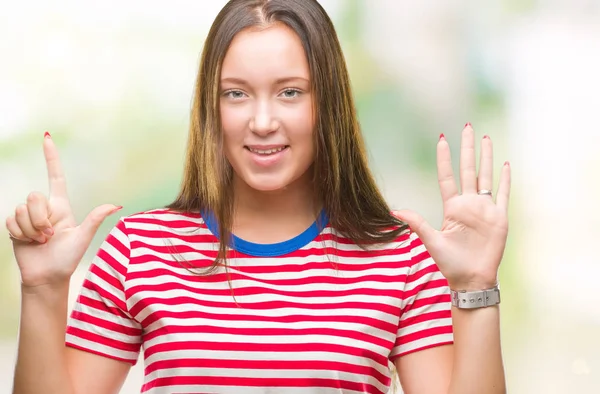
column 229, row 119
column 303, row 146
column 304, row 114
column 232, row 125
column 300, row 122
column 305, row 131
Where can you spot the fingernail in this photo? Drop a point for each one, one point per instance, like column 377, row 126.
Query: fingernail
column 468, row 124
column 442, row 137
column 486, row 136
column 117, row 208
column 47, row 135
column 48, row 231
column 506, row 163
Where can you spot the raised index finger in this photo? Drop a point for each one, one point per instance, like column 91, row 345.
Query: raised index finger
column 56, row 177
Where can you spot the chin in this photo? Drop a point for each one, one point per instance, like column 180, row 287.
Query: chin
column 267, row 184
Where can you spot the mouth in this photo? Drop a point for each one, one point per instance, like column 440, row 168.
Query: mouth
column 266, row 151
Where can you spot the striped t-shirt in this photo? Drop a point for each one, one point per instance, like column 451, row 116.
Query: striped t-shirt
column 314, row 314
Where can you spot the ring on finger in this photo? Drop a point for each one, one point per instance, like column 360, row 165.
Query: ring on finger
column 484, row 192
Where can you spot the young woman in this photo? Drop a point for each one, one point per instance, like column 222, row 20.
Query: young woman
column 279, row 268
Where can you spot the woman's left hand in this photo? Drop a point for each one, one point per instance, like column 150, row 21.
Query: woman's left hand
column 469, row 247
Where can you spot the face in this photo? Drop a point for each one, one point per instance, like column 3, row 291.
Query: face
column 267, row 108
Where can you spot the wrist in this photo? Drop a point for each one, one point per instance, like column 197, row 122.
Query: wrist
column 45, row 290
column 474, row 285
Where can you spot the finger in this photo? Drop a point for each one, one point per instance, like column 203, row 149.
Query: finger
column 418, row 225
column 448, row 187
column 37, row 207
column 15, row 231
column 94, row 219
column 485, row 178
column 504, row 187
column 56, row 177
column 24, row 222
column 468, row 175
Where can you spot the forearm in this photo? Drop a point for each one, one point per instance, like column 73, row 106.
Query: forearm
column 478, row 364
column 41, row 363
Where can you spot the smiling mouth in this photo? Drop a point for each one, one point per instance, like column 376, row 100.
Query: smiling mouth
column 266, row 152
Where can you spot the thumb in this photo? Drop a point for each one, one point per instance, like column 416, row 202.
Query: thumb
column 416, row 224
column 94, row 219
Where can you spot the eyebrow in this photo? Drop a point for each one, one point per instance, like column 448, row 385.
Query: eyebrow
column 278, row 81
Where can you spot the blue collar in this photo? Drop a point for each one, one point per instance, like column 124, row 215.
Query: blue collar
column 270, row 250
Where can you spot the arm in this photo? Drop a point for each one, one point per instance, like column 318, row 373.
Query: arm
column 44, row 364
column 477, row 352
column 472, row 365
column 468, row 250
column 48, row 245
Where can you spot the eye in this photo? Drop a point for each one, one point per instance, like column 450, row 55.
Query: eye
column 234, row 94
column 290, row 93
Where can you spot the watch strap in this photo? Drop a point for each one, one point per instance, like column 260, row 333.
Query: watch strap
column 475, row 299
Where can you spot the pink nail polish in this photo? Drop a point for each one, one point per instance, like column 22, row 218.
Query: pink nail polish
column 506, row 163
column 486, row 136
column 47, row 135
column 468, row 124
column 442, row 137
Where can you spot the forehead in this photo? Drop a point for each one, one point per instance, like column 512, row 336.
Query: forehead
column 265, row 54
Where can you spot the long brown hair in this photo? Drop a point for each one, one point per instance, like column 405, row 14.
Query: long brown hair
column 345, row 187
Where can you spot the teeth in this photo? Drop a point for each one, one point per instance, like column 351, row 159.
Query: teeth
column 266, row 152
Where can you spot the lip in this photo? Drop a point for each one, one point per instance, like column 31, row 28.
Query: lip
column 266, row 160
column 266, row 147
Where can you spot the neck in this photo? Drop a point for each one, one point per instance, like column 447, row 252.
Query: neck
column 273, row 216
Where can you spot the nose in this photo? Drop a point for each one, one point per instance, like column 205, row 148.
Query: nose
column 263, row 122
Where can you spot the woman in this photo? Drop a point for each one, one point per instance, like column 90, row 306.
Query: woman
column 279, row 267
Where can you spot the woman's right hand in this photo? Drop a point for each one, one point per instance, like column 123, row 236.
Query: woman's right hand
column 47, row 242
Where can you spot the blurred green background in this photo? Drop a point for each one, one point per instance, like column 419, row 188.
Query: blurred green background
column 112, row 82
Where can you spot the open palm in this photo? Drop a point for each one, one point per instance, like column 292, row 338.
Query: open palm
column 469, row 246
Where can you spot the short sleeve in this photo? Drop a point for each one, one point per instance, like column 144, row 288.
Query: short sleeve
column 100, row 322
column 425, row 313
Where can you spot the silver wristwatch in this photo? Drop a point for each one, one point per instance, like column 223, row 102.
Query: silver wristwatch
column 475, row 299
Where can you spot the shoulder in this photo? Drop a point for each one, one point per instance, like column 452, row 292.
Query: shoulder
column 401, row 248
column 162, row 217
column 405, row 242
column 160, row 223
